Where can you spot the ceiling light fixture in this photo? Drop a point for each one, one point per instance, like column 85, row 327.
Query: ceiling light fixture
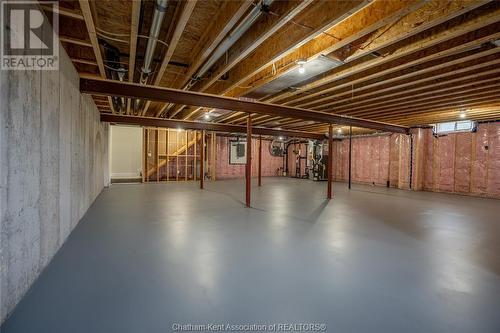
column 339, row 130
column 207, row 116
column 463, row 115
column 301, row 64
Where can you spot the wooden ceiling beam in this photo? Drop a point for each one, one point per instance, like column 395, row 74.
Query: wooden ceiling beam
column 432, row 14
column 438, row 42
column 75, row 41
column 227, row 17
column 266, row 26
column 411, row 75
column 370, row 18
column 270, row 120
column 184, row 124
column 86, row 75
column 84, row 61
column 412, row 88
column 461, row 84
column 410, row 117
column 62, row 11
column 492, row 95
column 425, row 82
column 168, row 95
column 460, row 44
column 291, row 124
column 253, row 72
column 180, row 25
column 461, row 78
column 452, row 115
column 478, row 110
column 322, row 15
column 348, row 82
column 134, row 30
column 89, row 23
column 435, row 100
column 257, row 117
column 438, row 113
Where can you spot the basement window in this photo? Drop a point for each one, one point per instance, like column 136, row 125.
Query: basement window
column 455, row 126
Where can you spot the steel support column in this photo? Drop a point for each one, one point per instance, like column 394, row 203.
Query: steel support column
column 260, row 160
column 350, row 154
column 330, row 161
column 248, row 169
column 202, row 159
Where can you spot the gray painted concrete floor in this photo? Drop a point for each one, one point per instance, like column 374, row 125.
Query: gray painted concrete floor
column 372, row 260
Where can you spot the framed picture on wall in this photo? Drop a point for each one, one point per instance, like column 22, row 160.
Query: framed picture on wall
column 237, row 152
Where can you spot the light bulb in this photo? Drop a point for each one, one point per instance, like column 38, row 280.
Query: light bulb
column 207, row 116
column 302, row 70
column 462, row 115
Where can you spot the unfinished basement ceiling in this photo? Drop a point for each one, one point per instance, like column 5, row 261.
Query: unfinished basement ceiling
column 293, row 78
column 408, row 63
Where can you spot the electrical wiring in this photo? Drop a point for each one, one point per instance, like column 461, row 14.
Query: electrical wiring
column 112, row 36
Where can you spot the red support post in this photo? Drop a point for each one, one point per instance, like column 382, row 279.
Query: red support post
column 330, row 161
column 202, row 159
column 260, row 160
column 248, row 168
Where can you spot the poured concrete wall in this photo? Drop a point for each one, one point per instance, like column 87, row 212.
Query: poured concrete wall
column 53, row 164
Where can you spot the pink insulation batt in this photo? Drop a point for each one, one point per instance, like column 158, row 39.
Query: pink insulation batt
column 464, row 163
column 270, row 164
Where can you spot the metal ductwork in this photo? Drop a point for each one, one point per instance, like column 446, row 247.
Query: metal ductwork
column 115, row 71
column 154, row 32
column 233, row 37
